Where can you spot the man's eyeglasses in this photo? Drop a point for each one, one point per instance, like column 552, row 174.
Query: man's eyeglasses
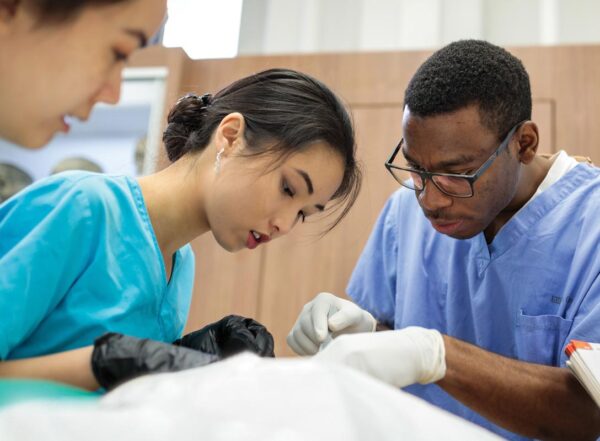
column 455, row 185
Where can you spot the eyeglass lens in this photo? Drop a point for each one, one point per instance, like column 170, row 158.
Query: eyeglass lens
column 454, row 186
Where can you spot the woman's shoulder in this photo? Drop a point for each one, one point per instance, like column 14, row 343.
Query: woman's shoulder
column 97, row 189
column 81, row 193
column 75, row 181
column 89, row 182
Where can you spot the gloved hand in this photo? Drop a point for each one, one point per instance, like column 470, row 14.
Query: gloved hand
column 117, row 358
column 229, row 336
column 324, row 314
column 400, row 358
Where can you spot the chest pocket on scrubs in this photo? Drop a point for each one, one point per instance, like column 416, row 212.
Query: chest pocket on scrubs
column 539, row 339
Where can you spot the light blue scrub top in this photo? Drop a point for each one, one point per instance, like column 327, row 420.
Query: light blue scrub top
column 78, row 258
column 524, row 296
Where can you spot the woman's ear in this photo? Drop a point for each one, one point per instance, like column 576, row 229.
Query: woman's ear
column 230, row 133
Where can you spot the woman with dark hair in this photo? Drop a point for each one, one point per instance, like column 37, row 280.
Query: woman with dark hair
column 83, row 254
column 59, row 58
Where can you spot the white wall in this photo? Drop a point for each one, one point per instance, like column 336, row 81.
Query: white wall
column 291, row 26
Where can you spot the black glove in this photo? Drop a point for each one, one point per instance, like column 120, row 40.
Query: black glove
column 229, row 336
column 117, row 358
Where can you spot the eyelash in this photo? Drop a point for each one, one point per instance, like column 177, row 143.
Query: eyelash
column 120, row 56
column 288, row 191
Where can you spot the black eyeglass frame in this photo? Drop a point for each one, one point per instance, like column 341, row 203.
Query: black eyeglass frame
column 425, row 175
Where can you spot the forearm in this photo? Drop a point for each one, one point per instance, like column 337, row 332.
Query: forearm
column 71, row 367
column 382, row 327
column 534, row 400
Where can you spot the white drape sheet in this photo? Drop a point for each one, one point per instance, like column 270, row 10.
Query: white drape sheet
column 243, row 398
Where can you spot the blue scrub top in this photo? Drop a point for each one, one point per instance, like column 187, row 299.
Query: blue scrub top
column 78, row 258
column 524, row 296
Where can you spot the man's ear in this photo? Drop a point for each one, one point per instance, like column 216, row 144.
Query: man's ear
column 229, row 135
column 8, row 10
column 527, row 141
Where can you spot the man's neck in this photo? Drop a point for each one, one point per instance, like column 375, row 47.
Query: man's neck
column 531, row 177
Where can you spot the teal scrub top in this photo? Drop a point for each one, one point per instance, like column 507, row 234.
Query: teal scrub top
column 524, row 296
column 78, row 258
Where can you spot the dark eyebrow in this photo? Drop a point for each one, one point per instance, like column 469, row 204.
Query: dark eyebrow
column 460, row 160
column 139, row 35
column 306, row 179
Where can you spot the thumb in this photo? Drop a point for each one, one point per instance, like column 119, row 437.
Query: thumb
column 344, row 318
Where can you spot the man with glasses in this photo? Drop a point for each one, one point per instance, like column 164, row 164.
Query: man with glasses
column 485, row 267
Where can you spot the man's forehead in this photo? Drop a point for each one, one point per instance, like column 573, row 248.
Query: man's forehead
column 455, row 137
column 468, row 117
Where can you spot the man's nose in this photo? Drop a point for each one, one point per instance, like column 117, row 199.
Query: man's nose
column 432, row 198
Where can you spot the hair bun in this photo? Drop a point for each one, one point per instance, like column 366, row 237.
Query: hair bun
column 184, row 119
column 206, row 99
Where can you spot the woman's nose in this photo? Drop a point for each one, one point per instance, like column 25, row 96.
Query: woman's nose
column 284, row 222
column 110, row 93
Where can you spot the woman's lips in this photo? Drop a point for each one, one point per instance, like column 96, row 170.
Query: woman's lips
column 252, row 242
column 446, row 227
column 66, row 126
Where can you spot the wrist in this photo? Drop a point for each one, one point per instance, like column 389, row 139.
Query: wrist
column 372, row 322
column 432, row 354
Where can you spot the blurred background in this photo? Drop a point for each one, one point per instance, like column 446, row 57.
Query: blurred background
column 366, row 51
column 129, row 133
column 266, row 27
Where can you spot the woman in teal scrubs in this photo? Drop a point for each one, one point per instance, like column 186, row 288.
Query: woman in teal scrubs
column 59, row 58
column 83, row 254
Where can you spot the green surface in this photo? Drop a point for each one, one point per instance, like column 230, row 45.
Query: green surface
column 16, row 390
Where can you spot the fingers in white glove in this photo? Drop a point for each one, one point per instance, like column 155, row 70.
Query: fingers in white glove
column 310, row 329
column 347, row 317
column 322, row 307
column 324, row 315
column 300, row 343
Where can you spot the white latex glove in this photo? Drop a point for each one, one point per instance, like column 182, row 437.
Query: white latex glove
column 400, row 358
column 323, row 315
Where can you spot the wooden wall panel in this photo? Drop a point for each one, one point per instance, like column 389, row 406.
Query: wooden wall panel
column 225, row 283
column 569, row 76
column 359, row 78
column 543, row 113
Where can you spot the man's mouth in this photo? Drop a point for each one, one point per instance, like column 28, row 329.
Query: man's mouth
column 447, row 227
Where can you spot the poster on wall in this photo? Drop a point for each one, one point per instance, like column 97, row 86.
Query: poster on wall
column 123, row 139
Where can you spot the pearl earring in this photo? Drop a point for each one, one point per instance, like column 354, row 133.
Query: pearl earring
column 218, row 160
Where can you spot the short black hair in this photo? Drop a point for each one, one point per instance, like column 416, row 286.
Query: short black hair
column 471, row 72
column 53, row 11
